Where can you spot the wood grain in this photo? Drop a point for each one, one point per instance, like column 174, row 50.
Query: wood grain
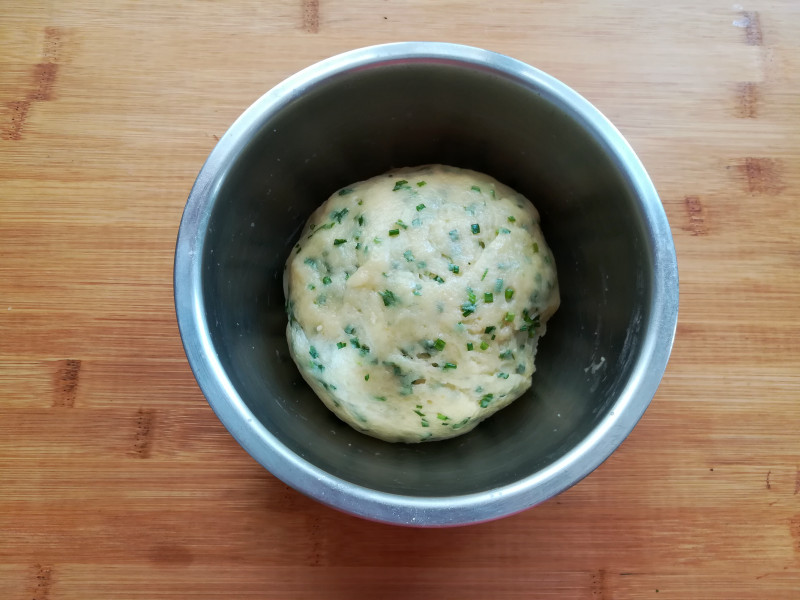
column 116, row 479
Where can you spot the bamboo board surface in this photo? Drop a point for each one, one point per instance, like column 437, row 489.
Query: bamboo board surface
column 116, row 479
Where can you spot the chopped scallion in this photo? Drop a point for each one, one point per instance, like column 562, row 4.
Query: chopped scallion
column 338, row 215
column 388, row 297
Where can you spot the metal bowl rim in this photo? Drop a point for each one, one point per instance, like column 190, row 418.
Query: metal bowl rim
column 282, row 462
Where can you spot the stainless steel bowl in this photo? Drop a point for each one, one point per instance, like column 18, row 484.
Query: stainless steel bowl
column 357, row 115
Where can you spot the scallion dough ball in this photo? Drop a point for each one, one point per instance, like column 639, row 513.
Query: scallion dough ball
column 416, row 300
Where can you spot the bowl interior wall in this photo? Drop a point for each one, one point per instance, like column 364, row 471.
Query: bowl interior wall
column 353, row 127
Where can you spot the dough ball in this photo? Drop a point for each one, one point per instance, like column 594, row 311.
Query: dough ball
column 416, row 300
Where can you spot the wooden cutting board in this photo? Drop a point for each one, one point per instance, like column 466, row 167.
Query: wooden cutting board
column 117, row 481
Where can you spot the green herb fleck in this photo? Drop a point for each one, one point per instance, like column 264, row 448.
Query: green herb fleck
column 326, row 280
column 417, row 289
column 420, row 206
column 520, row 369
column 509, row 293
column 439, row 344
column 498, row 285
column 341, row 345
column 338, row 242
column 409, row 256
column 506, row 354
column 442, row 417
column 449, row 365
column 482, row 244
column 484, row 345
column 366, row 377
column 401, row 224
column 350, row 330
column 535, row 248
column 419, row 412
column 421, row 183
column 400, row 184
column 476, row 229
column 312, row 287
column 484, row 274
column 471, row 295
column 512, row 219
column 424, row 423
column 475, row 188
column 389, row 298
column 489, row 329
column 380, row 398
column 486, row 400
column 470, row 347
column 454, row 235
column 311, row 262
column 509, row 317
column 338, row 215
column 454, row 268
column 355, row 342
column 503, row 375
column 460, row 424
column 488, row 297
column 345, row 191
column 467, row 309
column 394, row 232
column 313, row 352
column 503, row 230
column 361, row 220
column 435, row 277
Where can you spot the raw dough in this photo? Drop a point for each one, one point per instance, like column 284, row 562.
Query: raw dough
column 416, row 300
